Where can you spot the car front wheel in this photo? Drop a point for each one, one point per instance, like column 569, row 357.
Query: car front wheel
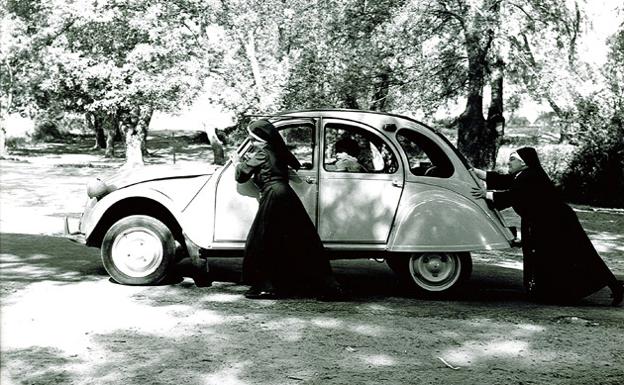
column 432, row 273
column 137, row 250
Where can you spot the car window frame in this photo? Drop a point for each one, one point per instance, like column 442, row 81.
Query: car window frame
column 448, row 159
column 361, row 126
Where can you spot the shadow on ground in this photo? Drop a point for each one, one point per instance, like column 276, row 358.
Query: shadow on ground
column 69, row 324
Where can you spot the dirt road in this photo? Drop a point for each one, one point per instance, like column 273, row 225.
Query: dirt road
column 64, row 322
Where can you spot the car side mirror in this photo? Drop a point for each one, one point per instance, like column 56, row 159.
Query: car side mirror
column 306, row 166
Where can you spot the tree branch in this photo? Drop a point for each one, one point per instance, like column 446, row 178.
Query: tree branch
column 490, row 39
column 522, row 9
column 195, row 37
column 47, row 40
column 495, row 4
column 454, row 15
column 575, row 32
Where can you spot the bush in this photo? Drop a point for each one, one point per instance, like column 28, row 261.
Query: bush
column 596, row 171
column 555, row 158
column 46, row 130
column 15, row 142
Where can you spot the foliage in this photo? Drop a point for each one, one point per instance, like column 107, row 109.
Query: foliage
column 596, row 172
column 416, row 57
column 556, row 159
column 107, row 58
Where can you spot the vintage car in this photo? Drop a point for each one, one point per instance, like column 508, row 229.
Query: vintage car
column 409, row 203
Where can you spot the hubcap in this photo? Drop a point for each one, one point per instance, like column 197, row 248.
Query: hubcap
column 435, row 272
column 137, row 252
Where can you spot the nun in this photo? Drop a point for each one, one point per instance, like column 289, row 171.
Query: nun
column 560, row 263
column 283, row 252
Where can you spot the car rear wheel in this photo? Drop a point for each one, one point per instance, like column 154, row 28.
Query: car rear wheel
column 137, row 250
column 433, row 273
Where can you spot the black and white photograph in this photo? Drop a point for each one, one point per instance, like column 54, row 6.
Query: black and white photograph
column 289, row 192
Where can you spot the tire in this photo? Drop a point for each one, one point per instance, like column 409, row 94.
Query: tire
column 137, row 250
column 432, row 273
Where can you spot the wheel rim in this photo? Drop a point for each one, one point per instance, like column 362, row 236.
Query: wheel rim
column 137, row 252
column 435, row 271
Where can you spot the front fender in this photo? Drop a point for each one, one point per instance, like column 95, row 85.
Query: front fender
column 94, row 215
column 431, row 218
column 172, row 195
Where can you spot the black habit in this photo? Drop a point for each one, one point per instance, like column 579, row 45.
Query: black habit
column 560, row 262
column 283, row 247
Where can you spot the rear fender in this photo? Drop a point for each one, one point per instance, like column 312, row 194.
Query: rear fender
column 431, row 218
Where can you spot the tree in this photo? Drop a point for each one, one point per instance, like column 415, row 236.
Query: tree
column 596, row 171
column 420, row 55
column 464, row 45
column 345, row 57
column 105, row 59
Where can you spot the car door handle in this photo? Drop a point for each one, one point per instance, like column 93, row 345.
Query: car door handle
column 309, row 180
column 397, row 183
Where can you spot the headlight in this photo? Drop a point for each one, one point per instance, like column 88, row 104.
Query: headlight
column 96, row 188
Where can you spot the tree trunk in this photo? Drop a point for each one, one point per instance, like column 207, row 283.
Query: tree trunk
column 5, row 109
column 134, row 154
column 3, row 146
column 94, row 124
column 145, row 117
column 471, row 123
column 564, row 117
column 250, row 51
column 495, row 125
column 215, row 143
column 109, row 127
column 350, row 101
column 131, row 123
column 382, row 87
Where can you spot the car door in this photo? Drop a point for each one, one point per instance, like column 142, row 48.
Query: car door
column 236, row 203
column 360, row 184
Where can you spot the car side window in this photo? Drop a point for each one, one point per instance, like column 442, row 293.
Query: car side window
column 425, row 157
column 299, row 139
column 352, row 149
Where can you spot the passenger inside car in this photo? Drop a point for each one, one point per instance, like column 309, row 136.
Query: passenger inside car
column 346, row 152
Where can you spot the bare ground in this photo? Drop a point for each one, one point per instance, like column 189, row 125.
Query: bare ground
column 64, row 322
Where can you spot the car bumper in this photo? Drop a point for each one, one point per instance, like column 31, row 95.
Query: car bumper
column 71, row 231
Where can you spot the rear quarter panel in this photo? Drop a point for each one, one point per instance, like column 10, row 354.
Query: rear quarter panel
column 436, row 215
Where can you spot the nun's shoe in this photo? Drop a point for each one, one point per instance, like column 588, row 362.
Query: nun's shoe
column 202, row 281
column 257, row 293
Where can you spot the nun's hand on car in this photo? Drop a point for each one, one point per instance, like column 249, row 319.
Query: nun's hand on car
column 478, row 193
column 481, row 174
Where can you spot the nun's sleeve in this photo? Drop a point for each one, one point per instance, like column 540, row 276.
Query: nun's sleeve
column 521, row 190
column 498, row 181
column 503, row 199
column 245, row 169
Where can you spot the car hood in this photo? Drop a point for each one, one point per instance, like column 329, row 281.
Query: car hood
column 158, row 172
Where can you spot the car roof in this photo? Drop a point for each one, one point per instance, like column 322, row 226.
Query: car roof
column 373, row 118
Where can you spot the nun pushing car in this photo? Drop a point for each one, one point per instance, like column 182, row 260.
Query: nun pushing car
column 560, row 263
